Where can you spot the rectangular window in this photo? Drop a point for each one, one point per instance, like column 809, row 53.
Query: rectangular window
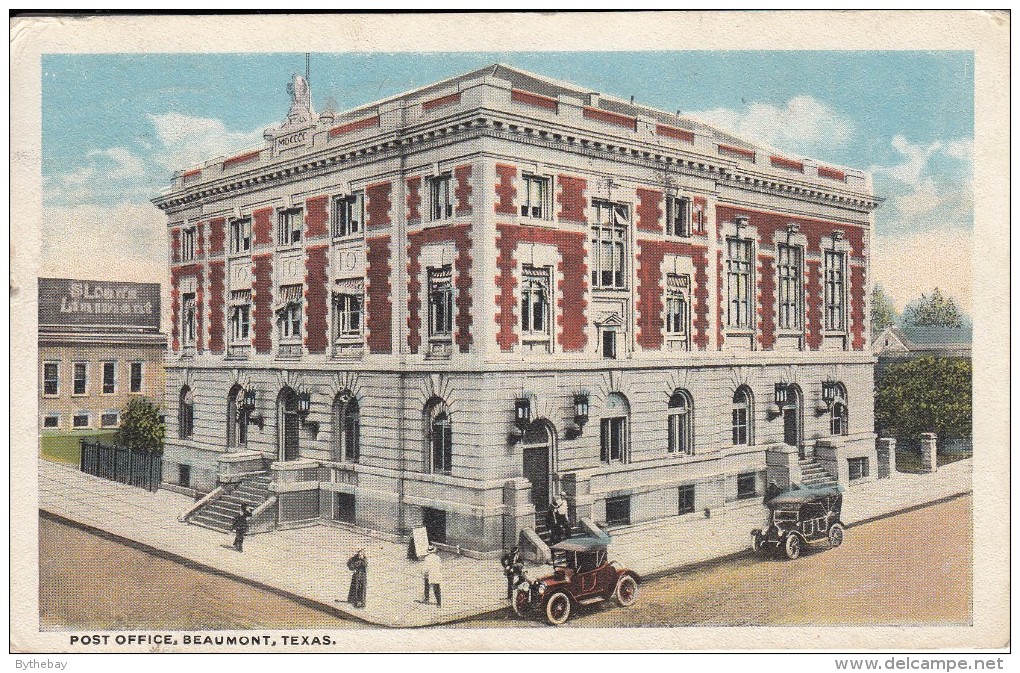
column 51, row 378
column 240, row 316
column 835, row 291
column 613, row 439
column 289, row 314
column 188, row 318
column 678, row 290
column 240, row 235
column 678, row 216
column 791, row 287
column 609, row 244
column 536, row 197
column 80, row 421
column 109, row 377
column 347, row 314
column 81, row 378
column 685, row 503
column 348, row 215
column 738, row 282
column 609, row 344
column 51, row 421
column 343, row 507
column 188, row 237
column 292, row 223
column 440, row 197
column 535, row 301
column 618, row 510
column 440, row 301
column 740, row 425
column 136, row 377
column 184, row 474
column 109, row 420
column 747, row 485
column 858, row 468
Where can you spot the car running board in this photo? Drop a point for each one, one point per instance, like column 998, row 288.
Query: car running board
column 589, row 601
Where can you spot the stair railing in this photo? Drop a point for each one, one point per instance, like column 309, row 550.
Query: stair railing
column 263, row 526
column 209, row 497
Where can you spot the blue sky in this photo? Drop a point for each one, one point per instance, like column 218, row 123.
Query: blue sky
column 115, row 126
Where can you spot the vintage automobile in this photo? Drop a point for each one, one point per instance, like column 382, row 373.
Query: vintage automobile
column 582, row 574
column 800, row 516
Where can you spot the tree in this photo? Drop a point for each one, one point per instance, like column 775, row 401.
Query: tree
column 934, row 311
column 883, row 311
column 141, row 426
column 925, row 395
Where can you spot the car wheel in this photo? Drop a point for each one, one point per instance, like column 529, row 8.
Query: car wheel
column 835, row 535
column 626, row 591
column 521, row 602
column 792, row 547
column 557, row 608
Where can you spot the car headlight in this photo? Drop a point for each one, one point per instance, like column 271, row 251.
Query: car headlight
column 540, row 588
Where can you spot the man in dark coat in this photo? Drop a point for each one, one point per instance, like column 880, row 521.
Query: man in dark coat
column 513, row 569
column 771, row 491
column 240, row 527
column 358, row 565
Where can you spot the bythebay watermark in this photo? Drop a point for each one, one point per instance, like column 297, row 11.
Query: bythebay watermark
column 919, row 664
column 35, row 664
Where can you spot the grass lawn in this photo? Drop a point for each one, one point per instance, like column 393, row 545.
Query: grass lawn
column 64, row 447
column 908, row 461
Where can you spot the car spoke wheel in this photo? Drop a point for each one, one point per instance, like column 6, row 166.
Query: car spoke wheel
column 520, row 603
column 835, row 535
column 792, row 547
column 557, row 609
column 626, row 591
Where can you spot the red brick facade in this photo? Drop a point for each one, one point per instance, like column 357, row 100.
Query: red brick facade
column 674, row 133
column 175, row 245
column 316, row 298
column 414, row 200
column 649, row 210
column 317, row 217
column 534, row 99
column 377, row 210
column 217, row 276
column 857, row 298
column 442, row 101
column 650, row 291
column 217, row 235
column 813, row 301
column 262, row 227
column 571, row 332
column 571, row 198
column 356, row 125
column 606, row 117
column 378, row 305
column 462, row 192
column 262, row 301
column 766, row 302
column 199, row 240
column 175, row 309
column 506, row 192
column 460, row 236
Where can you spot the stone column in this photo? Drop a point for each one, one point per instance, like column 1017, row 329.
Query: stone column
column 886, row 457
column 929, row 460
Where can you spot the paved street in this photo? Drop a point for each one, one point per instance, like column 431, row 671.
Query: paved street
column 911, row 568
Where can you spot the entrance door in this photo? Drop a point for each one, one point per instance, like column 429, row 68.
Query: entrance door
column 536, row 470
column 791, row 423
column 289, row 425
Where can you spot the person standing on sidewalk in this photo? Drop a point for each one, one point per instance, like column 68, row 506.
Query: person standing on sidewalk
column 240, row 527
column 513, row 569
column 358, row 565
column 432, row 574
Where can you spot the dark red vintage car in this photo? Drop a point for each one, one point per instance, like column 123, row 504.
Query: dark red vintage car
column 582, row 574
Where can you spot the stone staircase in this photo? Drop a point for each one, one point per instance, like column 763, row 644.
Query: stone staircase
column 813, row 474
column 219, row 514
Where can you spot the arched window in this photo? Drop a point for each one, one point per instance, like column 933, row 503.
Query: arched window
column 680, row 424
column 237, row 418
column 614, row 429
column 186, row 414
column 346, row 428
column 838, row 414
column 288, row 425
column 439, row 436
column 743, row 416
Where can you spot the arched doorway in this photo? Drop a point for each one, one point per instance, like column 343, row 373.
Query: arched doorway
column 537, row 451
column 237, row 418
column 793, row 419
column 288, row 425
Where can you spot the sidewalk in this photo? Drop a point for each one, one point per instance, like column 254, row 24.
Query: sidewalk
column 311, row 562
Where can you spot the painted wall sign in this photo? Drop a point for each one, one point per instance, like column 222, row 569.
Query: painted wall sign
column 64, row 301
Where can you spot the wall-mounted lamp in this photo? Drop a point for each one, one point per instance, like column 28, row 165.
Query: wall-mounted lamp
column 580, row 416
column 248, row 403
column 838, row 235
column 792, row 228
column 782, row 394
column 304, row 404
column 522, row 413
column 830, row 391
column 741, row 221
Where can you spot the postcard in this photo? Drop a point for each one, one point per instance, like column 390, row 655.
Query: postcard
column 673, row 331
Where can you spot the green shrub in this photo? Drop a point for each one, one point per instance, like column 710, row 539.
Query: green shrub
column 140, row 426
column 924, row 395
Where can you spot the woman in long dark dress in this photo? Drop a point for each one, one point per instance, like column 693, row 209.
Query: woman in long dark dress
column 358, row 565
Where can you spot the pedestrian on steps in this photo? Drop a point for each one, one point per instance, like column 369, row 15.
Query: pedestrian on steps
column 240, row 527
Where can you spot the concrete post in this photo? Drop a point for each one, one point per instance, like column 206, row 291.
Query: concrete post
column 782, row 465
column 929, row 459
column 886, row 450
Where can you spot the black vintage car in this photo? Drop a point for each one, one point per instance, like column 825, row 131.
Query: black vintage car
column 800, row 516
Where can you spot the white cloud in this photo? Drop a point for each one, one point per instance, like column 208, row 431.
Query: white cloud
column 908, row 265
column 186, row 141
column 803, row 125
column 115, row 172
